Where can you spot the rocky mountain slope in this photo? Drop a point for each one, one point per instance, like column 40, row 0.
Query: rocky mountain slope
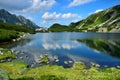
column 105, row 21
column 7, row 17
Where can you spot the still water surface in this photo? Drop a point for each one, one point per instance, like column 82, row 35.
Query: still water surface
column 99, row 48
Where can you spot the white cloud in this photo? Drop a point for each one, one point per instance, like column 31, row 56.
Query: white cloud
column 40, row 6
column 98, row 10
column 69, row 15
column 54, row 16
column 79, row 2
column 51, row 16
column 16, row 5
column 95, row 11
column 27, row 6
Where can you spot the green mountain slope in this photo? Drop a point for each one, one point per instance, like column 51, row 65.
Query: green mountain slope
column 12, row 31
column 7, row 17
column 104, row 21
column 59, row 28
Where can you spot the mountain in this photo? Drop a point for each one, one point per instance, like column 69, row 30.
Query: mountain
column 59, row 28
column 7, row 17
column 104, row 21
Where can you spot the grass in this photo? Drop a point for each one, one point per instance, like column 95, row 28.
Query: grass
column 8, row 35
column 6, row 54
column 12, row 31
column 15, row 27
column 44, row 59
column 54, row 72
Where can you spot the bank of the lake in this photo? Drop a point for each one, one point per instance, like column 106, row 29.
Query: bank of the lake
column 19, row 71
column 12, row 32
column 6, row 55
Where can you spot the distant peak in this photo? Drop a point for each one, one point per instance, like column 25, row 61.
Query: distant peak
column 4, row 11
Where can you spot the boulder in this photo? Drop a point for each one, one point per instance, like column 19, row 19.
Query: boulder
column 4, row 75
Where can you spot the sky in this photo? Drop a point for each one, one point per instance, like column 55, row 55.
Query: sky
column 47, row 12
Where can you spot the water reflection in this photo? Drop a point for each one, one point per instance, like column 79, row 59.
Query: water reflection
column 100, row 48
column 59, row 45
column 107, row 46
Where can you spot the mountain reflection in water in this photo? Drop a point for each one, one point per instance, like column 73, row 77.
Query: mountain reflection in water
column 99, row 48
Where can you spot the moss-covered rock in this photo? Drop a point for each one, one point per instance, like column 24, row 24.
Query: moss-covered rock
column 44, row 59
column 6, row 55
column 79, row 65
column 3, row 75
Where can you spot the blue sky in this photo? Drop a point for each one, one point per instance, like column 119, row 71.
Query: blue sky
column 47, row 12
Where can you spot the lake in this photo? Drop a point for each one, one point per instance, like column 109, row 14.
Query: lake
column 70, row 47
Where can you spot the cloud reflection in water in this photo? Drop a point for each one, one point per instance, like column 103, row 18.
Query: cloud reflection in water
column 59, row 45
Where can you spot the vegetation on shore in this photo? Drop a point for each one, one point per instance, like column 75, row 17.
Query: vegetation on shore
column 19, row 71
column 6, row 55
column 12, row 31
column 60, row 28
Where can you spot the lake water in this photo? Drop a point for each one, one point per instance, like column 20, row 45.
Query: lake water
column 99, row 48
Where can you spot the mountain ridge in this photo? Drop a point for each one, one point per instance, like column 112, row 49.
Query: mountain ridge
column 107, row 20
column 7, row 17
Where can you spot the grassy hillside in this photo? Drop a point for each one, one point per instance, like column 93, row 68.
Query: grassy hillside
column 105, row 21
column 59, row 28
column 12, row 31
column 19, row 71
column 15, row 27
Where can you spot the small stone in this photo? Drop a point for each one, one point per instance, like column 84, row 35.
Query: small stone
column 41, row 56
column 21, row 57
column 65, row 62
column 97, row 65
column 118, row 66
column 14, row 40
column 1, row 53
column 32, row 65
column 48, row 62
column 70, row 62
column 105, row 66
column 9, row 60
column 57, row 60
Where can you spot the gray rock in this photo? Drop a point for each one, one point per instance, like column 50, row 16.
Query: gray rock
column 4, row 75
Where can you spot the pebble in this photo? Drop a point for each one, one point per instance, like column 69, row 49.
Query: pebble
column 57, row 60
column 21, row 57
column 65, row 62
column 105, row 66
column 70, row 62
column 118, row 66
column 1, row 53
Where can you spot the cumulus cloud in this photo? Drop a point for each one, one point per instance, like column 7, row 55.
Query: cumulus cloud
column 98, row 10
column 69, row 15
column 16, row 5
column 51, row 16
column 79, row 2
column 27, row 6
column 54, row 16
